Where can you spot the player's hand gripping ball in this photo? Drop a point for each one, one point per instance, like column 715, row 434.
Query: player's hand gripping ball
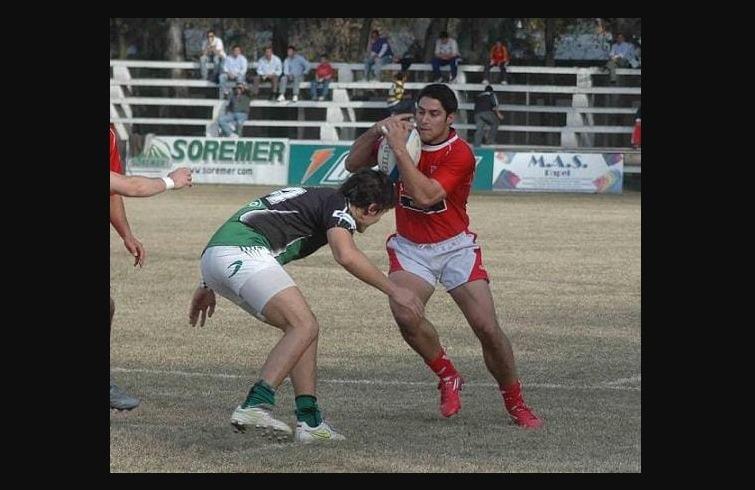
column 386, row 158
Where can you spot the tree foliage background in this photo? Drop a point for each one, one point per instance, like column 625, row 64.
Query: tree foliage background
column 345, row 39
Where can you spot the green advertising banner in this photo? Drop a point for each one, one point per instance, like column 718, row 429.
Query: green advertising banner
column 323, row 164
column 318, row 164
column 215, row 160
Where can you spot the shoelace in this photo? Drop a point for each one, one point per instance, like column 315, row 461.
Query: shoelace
column 522, row 410
column 449, row 384
column 329, row 426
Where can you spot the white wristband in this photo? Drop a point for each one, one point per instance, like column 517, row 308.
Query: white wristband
column 169, row 184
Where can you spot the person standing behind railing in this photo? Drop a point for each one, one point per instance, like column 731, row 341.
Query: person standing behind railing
column 486, row 116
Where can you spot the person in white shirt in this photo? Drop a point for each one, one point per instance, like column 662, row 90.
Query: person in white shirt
column 212, row 51
column 234, row 71
column 269, row 68
column 446, row 53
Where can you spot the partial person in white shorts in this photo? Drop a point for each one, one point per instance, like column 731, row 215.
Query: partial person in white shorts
column 255, row 276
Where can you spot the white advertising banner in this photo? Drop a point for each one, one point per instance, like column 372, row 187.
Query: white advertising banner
column 558, row 172
column 215, row 160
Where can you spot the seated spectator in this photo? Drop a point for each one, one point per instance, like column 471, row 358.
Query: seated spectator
column 234, row 71
column 212, row 52
column 398, row 102
column 323, row 75
column 295, row 67
column 412, row 54
column 622, row 56
column 486, row 117
column 446, row 53
column 269, row 68
column 237, row 112
column 499, row 56
column 378, row 54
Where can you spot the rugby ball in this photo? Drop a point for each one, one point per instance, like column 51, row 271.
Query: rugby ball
column 386, row 158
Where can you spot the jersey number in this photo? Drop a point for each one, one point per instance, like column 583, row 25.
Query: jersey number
column 283, row 194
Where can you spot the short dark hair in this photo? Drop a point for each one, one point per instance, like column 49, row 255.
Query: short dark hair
column 210, row 32
column 375, row 31
column 443, row 94
column 443, row 34
column 235, row 46
column 291, row 46
column 367, row 186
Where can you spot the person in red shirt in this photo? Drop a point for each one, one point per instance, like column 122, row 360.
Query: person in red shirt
column 499, row 56
column 637, row 130
column 138, row 187
column 433, row 243
column 323, row 76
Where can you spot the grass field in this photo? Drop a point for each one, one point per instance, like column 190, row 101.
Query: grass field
column 565, row 275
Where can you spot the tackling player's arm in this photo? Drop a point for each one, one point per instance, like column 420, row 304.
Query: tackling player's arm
column 202, row 302
column 424, row 191
column 361, row 153
column 120, row 223
column 137, row 186
column 346, row 253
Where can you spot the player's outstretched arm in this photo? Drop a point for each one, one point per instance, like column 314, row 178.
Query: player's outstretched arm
column 137, row 186
column 357, row 264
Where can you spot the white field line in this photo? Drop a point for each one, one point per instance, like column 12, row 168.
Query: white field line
column 613, row 385
column 624, row 381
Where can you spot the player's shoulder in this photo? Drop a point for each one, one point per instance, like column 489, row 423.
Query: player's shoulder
column 321, row 190
column 462, row 149
column 328, row 195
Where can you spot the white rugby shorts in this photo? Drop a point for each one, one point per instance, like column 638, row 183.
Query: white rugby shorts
column 248, row 276
column 453, row 262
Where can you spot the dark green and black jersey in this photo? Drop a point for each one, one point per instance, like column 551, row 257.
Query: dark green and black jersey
column 291, row 222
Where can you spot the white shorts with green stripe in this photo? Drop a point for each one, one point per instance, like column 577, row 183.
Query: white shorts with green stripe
column 248, row 276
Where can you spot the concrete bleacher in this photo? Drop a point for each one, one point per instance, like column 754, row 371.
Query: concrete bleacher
column 575, row 131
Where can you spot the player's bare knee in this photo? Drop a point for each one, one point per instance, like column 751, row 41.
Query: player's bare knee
column 409, row 326
column 308, row 327
column 405, row 320
column 487, row 332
